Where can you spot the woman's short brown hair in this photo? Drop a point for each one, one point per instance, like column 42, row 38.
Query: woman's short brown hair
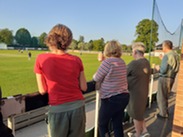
column 113, row 49
column 59, row 36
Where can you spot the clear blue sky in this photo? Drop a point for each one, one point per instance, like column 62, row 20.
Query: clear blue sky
column 93, row 19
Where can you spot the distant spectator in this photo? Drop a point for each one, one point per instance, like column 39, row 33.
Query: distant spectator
column 29, row 55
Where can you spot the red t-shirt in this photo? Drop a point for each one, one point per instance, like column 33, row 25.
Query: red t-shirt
column 61, row 73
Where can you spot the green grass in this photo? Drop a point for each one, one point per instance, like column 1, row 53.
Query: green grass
column 17, row 76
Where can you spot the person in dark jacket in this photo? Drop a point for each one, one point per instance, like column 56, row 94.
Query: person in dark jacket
column 138, row 75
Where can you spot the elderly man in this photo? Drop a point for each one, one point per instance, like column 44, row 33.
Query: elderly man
column 167, row 71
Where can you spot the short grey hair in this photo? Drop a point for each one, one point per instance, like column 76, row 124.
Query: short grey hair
column 139, row 47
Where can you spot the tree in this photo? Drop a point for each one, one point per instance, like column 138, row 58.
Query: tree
column 129, row 49
column 73, row 45
column 34, row 41
column 124, row 47
column 143, row 33
column 23, row 37
column 6, row 36
column 98, row 45
column 42, row 39
column 81, row 39
column 81, row 46
column 89, row 46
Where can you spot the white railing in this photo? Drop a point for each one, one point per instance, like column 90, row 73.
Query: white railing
column 18, row 120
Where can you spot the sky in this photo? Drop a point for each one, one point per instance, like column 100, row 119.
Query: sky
column 93, row 19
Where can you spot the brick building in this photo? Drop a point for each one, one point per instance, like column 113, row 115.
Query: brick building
column 178, row 112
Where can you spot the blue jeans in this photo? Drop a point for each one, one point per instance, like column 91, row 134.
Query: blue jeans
column 112, row 109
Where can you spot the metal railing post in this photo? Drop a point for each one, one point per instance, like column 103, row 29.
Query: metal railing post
column 11, row 123
column 96, row 114
column 150, row 90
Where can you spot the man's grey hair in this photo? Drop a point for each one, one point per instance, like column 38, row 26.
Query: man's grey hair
column 139, row 47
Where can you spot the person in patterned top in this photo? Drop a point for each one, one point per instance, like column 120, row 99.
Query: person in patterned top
column 112, row 75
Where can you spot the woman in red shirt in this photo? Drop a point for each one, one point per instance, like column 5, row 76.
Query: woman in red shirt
column 62, row 76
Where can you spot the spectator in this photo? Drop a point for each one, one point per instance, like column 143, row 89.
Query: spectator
column 167, row 72
column 29, row 55
column 62, row 76
column 113, row 91
column 138, row 74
